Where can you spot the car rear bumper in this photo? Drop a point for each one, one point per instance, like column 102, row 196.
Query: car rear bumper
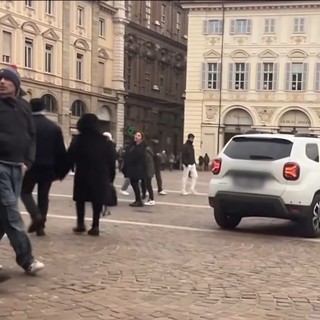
column 255, row 205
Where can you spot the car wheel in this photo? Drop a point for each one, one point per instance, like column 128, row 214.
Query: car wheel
column 225, row 220
column 311, row 224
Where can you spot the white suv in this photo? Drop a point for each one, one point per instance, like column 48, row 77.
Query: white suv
column 268, row 175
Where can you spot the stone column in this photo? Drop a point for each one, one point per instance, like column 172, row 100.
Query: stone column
column 119, row 23
column 65, row 98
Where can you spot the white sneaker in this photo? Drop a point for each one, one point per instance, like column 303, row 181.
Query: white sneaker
column 194, row 192
column 35, row 267
column 1, row 267
column 185, row 193
column 162, row 193
column 150, row 203
column 125, row 193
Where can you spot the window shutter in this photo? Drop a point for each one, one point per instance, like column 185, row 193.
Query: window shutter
column 204, row 75
column 220, row 26
column 317, row 80
column 248, row 26
column 205, row 26
column 305, row 77
column 6, row 45
column 233, row 27
column 246, row 76
column 218, row 75
column 275, row 77
column 231, row 76
column 272, row 25
column 259, row 77
column 288, row 76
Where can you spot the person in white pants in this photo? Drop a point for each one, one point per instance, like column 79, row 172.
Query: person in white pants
column 189, row 165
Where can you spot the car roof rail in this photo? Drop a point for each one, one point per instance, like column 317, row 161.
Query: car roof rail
column 306, row 135
column 253, row 131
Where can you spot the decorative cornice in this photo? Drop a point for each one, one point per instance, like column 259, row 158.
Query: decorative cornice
column 107, row 8
column 203, row 6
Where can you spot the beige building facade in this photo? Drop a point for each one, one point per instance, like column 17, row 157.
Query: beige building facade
column 70, row 54
column 254, row 64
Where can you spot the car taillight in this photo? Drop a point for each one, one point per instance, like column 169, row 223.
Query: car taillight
column 216, row 166
column 291, row 171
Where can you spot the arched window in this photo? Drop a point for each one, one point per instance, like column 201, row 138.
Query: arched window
column 50, row 103
column 78, row 108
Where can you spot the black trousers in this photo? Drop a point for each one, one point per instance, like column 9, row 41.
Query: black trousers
column 157, row 172
column 149, row 188
column 143, row 188
column 81, row 210
column 43, row 178
column 136, row 188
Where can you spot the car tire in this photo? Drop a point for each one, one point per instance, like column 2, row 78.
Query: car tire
column 225, row 220
column 311, row 224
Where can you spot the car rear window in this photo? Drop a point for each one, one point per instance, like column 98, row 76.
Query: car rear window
column 250, row 148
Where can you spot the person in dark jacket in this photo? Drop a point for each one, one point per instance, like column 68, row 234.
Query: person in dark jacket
column 206, row 161
column 149, row 175
column 17, row 153
column 136, row 168
column 50, row 164
column 157, row 165
column 189, row 165
column 94, row 158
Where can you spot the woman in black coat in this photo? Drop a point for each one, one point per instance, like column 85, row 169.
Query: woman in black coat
column 136, row 168
column 94, row 159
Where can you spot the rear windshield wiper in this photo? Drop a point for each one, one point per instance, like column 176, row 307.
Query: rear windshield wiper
column 259, row 157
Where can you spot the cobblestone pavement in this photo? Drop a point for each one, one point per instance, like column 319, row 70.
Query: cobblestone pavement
column 166, row 262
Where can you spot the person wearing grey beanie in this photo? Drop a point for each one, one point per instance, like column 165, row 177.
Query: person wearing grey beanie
column 17, row 154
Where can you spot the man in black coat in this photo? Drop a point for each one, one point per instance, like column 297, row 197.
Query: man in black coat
column 17, row 152
column 50, row 161
column 189, row 165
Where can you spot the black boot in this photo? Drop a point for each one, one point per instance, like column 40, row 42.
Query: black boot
column 94, row 231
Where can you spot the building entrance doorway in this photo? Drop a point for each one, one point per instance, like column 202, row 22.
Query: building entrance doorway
column 237, row 121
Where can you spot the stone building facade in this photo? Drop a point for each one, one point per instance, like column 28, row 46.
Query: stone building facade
column 70, row 54
column 155, row 66
column 251, row 64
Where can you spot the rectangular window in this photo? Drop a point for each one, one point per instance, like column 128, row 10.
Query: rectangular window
column 102, row 28
column 48, row 61
column 28, row 53
column 148, row 14
column 101, row 73
column 178, row 23
column 163, row 14
column 299, row 25
column 211, row 76
column 79, row 67
column 269, row 26
column 6, row 47
column 49, row 6
column 238, row 76
column 212, row 27
column 240, row 26
column 267, row 75
column 129, row 9
column 296, row 76
column 28, row 3
column 80, row 16
column 317, row 79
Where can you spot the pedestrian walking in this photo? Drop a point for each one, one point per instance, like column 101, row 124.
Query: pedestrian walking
column 94, row 158
column 157, row 165
column 206, row 160
column 126, row 181
column 189, row 165
column 50, row 164
column 17, row 153
column 150, row 174
column 136, row 167
column 172, row 159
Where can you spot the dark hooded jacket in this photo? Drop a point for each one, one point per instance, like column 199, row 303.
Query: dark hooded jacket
column 94, row 160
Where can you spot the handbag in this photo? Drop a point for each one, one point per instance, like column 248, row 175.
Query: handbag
column 113, row 198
